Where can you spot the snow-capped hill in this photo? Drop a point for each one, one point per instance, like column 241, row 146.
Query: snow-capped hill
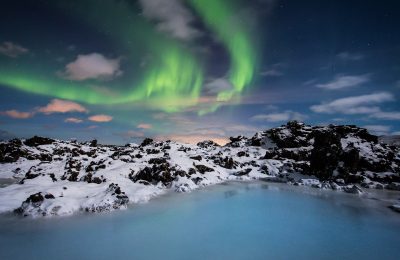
column 62, row 177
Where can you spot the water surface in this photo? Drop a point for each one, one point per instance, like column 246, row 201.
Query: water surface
column 231, row 221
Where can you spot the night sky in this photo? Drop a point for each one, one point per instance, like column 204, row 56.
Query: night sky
column 189, row 70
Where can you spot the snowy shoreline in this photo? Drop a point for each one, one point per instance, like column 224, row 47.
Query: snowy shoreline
column 59, row 178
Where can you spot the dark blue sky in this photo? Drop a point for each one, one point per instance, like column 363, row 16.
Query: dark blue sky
column 65, row 69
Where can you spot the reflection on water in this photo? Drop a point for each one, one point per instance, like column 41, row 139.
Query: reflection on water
column 230, row 193
column 252, row 220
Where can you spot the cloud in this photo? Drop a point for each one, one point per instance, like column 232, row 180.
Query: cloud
column 172, row 18
column 272, row 73
column 144, row 126
column 341, row 82
column 73, row 120
column 279, row 117
column 62, row 106
column 100, row 118
column 92, row 66
column 394, row 115
column 17, row 114
column 354, row 105
column 347, row 56
column 217, row 85
column 12, row 50
column 378, row 129
column 275, row 70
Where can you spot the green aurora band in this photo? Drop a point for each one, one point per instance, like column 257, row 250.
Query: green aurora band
column 222, row 18
column 173, row 78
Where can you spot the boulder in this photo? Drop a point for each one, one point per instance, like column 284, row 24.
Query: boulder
column 203, row 169
column 37, row 140
column 146, row 142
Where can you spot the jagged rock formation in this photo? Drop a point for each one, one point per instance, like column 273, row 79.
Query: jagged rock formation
column 93, row 177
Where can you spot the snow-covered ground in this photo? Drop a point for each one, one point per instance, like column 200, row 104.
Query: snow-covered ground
column 61, row 177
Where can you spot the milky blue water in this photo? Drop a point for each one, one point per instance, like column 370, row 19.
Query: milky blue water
column 234, row 221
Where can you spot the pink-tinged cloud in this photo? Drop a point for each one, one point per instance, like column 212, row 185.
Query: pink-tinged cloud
column 92, row 66
column 144, row 126
column 62, row 106
column 100, row 118
column 73, row 120
column 17, row 114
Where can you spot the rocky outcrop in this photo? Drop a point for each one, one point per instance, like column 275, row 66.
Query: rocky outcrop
column 37, row 140
column 334, row 152
column 345, row 158
column 33, row 205
column 114, row 198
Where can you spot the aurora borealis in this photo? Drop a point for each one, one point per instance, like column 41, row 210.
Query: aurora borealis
column 190, row 69
column 175, row 74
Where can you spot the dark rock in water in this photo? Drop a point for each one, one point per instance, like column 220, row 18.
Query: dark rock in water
column 37, row 140
column 353, row 189
column 203, row 169
column 146, row 142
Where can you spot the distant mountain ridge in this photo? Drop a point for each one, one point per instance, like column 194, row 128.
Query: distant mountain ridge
column 390, row 140
column 4, row 135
